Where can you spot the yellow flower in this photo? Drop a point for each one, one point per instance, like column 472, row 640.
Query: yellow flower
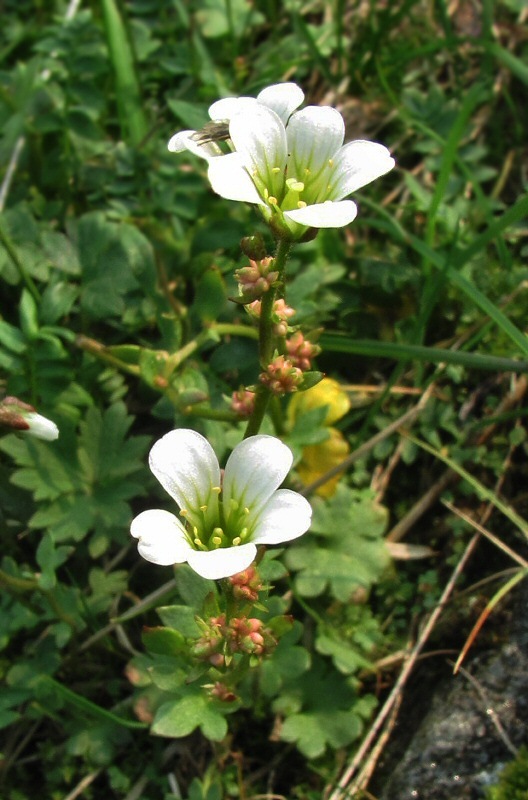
column 319, row 458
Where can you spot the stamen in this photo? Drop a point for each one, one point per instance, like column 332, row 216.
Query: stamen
column 216, row 540
column 183, row 512
column 243, row 534
column 275, row 170
column 301, row 204
column 203, row 508
column 330, row 162
column 236, row 541
column 216, row 489
column 234, row 504
column 272, row 200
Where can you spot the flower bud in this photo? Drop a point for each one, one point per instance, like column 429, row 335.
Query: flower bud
column 281, row 376
column 301, row 351
column 246, row 584
column 22, row 417
column 253, row 247
column 256, row 279
column 243, row 403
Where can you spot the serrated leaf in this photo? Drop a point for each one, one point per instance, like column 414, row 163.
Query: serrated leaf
column 332, row 715
column 49, row 558
column 178, row 718
column 349, row 551
column 104, row 451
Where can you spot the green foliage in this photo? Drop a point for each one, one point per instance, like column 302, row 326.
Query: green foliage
column 349, row 553
column 86, row 490
column 116, row 268
column 513, row 782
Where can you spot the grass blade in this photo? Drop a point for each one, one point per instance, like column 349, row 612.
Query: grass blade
column 403, row 352
column 133, row 122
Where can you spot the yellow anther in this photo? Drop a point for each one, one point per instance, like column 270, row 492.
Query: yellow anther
column 197, row 542
column 276, row 169
column 203, row 508
column 246, row 510
column 243, row 534
column 236, row 541
column 301, row 204
column 272, row 200
column 216, row 489
column 330, row 162
column 306, row 171
column 216, row 540
column 183, row 512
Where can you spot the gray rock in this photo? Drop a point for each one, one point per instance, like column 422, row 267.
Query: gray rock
column 457, row 750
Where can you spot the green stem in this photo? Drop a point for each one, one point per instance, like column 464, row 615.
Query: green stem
column 267, row 338
column 230, row 329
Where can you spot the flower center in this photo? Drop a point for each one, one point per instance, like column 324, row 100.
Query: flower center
column 205, row 531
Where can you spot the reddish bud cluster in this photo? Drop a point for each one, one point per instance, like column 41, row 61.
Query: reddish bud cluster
column 281, row 376
column 301, row 351
column 243, row 403
column 242, row 635
column 256, row 279
column 246, row 584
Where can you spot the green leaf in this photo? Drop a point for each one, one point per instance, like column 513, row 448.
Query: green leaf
column 181, row 618
column 49, row 558
column 192, row 588
column 352, row 552
column 181, row 717
column 346, row 658
column 331, row 715
column 104, row 451
column 163, row 641
column 211, row 296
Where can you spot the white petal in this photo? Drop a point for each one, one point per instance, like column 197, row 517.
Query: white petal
column 161, row 537
column 186, row 466
column 229, row 106
column 221, row 563
column 282, row 98
column 315, row 135
column 260, row 138
column 254, row 470
column 40, row 427
column 286, row 516
column 183, row 141
column 230, row 179
column 357, row 164
column 178, row 142
column 324, row 215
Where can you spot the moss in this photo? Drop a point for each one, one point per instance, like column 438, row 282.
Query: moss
column 513, row 782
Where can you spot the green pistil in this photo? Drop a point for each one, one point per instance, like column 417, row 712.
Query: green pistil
column 293, row 194
column 218, row 539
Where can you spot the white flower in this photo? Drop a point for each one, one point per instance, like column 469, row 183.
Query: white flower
column 293, row 164
column 222, row 521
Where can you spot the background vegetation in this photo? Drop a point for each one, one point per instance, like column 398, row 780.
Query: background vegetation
column 115, row 255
